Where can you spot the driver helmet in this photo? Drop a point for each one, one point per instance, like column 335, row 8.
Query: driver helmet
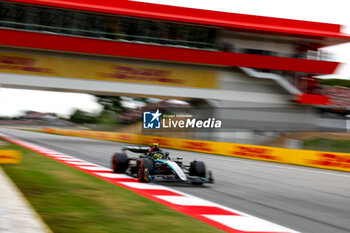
column 157, row 156
column 154, row 147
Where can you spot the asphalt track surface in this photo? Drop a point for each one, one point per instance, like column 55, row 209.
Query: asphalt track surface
column 304, row 199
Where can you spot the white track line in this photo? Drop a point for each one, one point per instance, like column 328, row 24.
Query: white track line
column 145, row 186
column 187, row 201
column 113, row 175
column 81, row 163
column 245, row 224
column 95, row 168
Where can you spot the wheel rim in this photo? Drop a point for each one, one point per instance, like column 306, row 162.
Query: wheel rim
column 146, row 174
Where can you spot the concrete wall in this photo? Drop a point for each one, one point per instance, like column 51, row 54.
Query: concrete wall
column 251, row 122
column 235, row 80
column 277, row 44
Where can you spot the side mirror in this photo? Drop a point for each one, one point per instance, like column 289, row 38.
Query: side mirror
column 179, row 158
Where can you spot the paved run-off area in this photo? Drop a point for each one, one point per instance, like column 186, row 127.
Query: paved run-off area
column 304, row 199
column 16, row 214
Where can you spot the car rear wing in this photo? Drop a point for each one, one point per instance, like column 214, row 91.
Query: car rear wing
column 137, row 149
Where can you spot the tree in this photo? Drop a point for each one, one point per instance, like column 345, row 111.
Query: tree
column 336, row 82
column 141, row 99
column 82, row 117
column 106, row 117
column 111, row 103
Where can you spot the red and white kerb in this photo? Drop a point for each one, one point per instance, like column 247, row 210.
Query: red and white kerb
column 222, row 217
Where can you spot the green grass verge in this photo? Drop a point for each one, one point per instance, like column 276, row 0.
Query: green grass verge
column 70, row 200
column 327, row 145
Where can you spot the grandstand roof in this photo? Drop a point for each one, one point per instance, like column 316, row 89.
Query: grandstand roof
column 330, row 33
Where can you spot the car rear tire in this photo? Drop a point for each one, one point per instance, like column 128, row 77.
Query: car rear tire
column 120, row 162
column 197, row 168
column 145, row 168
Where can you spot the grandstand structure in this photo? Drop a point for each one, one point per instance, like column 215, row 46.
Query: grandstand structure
column 224, row 61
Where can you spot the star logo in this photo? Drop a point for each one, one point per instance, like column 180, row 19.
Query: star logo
column 151, row 120
column 156, row 115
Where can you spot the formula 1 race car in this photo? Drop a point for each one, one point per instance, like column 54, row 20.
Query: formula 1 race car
column 154, row 164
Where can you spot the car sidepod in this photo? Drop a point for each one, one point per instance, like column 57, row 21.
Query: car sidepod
column 175, row 167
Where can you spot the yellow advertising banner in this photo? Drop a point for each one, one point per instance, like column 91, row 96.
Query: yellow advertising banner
column 10, row 157
column 104, row 70
column 120, row 137
column 320, row 159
